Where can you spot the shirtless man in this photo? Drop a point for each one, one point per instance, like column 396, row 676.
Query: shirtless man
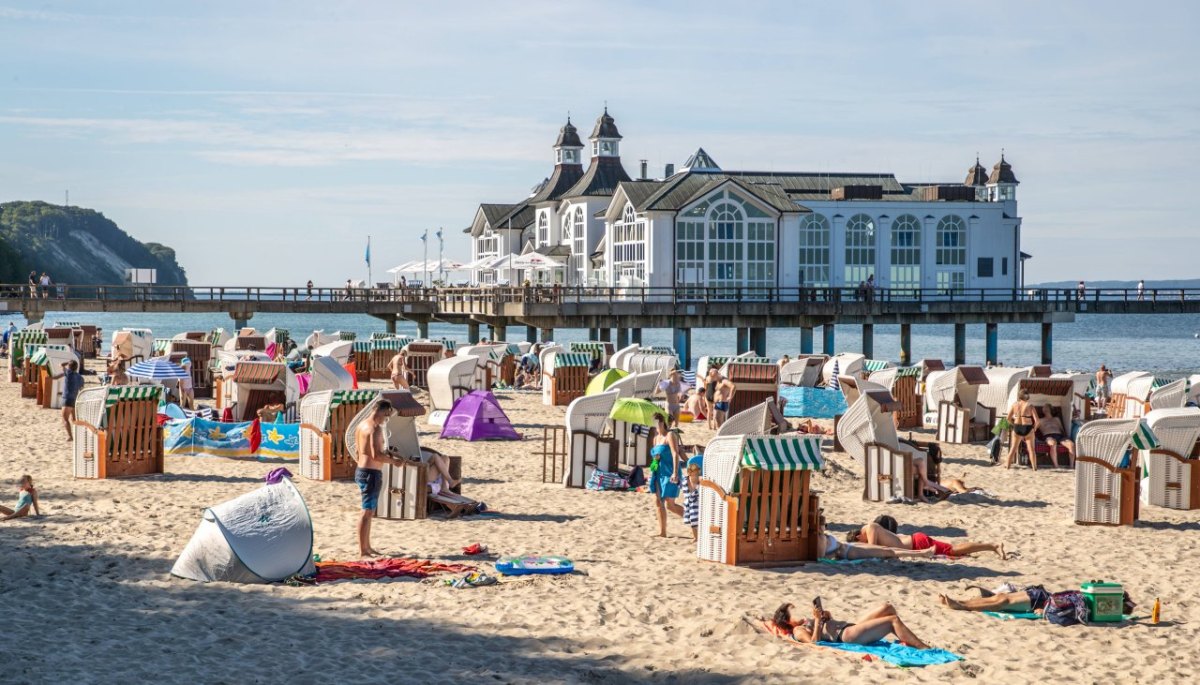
column 1033, row 599
column 1103, row 391
column 398, row 370
column 721, row 399
column 368, row 438
column 1051, row 428
column 875, row 534
column 1021, row 419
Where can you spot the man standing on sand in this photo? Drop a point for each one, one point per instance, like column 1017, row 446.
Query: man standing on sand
column 721, row 399
column 368, row 438
column 398, row 370
column 71, row 387
column 1103, row 379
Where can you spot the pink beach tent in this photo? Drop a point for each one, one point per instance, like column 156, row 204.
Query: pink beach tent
column 478, row 416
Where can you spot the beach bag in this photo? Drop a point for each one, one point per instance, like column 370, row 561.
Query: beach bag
column 604, row 480
column 1066, row 608
column 993, row 448
column 637, row 477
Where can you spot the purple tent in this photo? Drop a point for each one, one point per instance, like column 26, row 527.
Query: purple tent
column 478, row 416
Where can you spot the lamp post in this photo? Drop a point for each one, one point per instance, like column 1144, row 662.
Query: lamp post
column 441, row 262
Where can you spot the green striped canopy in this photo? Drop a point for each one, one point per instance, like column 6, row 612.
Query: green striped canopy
column 378, row 335
column 67, row 324
column 783, row 453
column 715, row 361
column 386, row 344
column 595, row 349
column 657, row 349
column 748, row 360
column 514, row 349
column 1143, row 438
column 362, row 346
column 161, row 344
column 133, row 392
column 448, row 343
column 908, row 371
column 874, row 364
column 1160, row 382
column 36, row 355
column 404, row 340
column 347, row 335
column 572, row 359
column 341, row 397
column 215, row 336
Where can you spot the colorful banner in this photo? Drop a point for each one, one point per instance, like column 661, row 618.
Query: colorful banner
column 198, row 437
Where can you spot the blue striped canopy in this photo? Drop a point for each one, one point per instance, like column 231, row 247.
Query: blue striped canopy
column 157, row 368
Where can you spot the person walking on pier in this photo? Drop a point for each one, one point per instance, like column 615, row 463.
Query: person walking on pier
column 1141, row 290
column 308, row 288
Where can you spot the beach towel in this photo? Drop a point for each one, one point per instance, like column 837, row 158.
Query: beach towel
column 898, row 654
column 1031, row 616
column 329, row 571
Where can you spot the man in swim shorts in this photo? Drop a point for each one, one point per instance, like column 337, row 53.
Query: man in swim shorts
column 368, row 438
column 876, row 534
column 721, row 399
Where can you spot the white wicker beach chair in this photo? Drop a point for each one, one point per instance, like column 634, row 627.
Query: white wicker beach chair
column 1174, row 472
column 756, row 420
column 804, row 372
column 997, row 394
column 1120, row 403
column 619, row 358
column 324, row 416
column 116, row 432
column 1105, row 488
column 589, row 446
column 848, row 363
column 960, row 417
column 546, row 364
column 867, row 432
column 450, row 379
column 1173, row 395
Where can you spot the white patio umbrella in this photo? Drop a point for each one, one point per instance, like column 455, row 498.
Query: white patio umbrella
column 534, row 260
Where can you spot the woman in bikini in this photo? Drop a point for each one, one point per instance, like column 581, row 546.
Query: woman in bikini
column 1021, row 422
column 710, row 394
column 823, row 628
column 398, row 370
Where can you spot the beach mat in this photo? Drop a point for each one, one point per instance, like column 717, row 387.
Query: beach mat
column 898, row 654
column 1029, row 615
column 329, row 571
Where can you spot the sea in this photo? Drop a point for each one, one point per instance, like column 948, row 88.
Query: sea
column 1165, row 344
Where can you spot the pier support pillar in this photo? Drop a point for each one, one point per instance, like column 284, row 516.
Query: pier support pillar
column 683, row 346
column 547, row 334
column 960, row 344
column 498, row 332
column 33, row 316
column 758, row 341
column 531, row 334
column 593, row 334
column 240, row 319
column 473, row 333
column 806, row 340
column 905, row 344
column 743, row 340
column 827, row 343
column 422, row 329
column 389, row 325
column 868, row 340
column 622, row 338
column 635, row 336
column 606, row 334
column 992, row 346
column 1047, row 343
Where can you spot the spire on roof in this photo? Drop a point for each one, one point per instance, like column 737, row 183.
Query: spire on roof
column 606, row 126
column 976, row 175
column 568, row 135
column 1002, row 172
column 700, row 161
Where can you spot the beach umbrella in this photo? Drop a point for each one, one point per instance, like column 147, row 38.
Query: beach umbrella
column 158, row 369
column 602, row 380
column 533, row 260
column 833, row 377
column 631, row 410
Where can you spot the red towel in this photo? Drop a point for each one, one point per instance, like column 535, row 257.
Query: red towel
column 384, row 568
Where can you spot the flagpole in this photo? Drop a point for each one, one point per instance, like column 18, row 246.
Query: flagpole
column 441, row 261
column 425, row 242
column 369, row 281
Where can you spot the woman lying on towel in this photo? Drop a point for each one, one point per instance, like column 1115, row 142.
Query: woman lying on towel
column 875, row 534
column 823, row 628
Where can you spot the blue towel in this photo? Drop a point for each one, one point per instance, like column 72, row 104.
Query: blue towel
column 898, row 654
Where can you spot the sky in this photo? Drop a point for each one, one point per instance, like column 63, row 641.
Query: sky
column 265, row 141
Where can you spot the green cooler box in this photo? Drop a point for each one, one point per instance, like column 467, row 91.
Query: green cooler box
column 1105, row 601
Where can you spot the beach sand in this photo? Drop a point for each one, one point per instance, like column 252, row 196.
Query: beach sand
column 87, row 594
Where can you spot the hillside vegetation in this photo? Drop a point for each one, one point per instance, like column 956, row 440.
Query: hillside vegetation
column 76, row 246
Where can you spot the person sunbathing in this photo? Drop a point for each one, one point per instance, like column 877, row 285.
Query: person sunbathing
column 1049, row 426
column 822, row 627
column 875, row 534
column 270, row 413
column 828, row 547
column 1031, row 599
column 116, row 372
column 27, row 500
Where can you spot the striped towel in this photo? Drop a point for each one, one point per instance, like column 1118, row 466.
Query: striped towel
column 689, row 378
column 1143, row 438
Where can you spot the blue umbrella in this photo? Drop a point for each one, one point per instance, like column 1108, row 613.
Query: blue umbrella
column 157, row 368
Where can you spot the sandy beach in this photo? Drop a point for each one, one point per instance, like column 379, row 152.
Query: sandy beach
column 88, row 596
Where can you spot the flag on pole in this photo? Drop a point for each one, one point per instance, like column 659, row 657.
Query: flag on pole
column 425, row 235
column 368, row 255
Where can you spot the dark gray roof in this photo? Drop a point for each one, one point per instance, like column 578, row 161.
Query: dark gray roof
column 683, row 189
column 564, row 177
column 976, row 175
column 493, row 212
column 568, row 136
column 638, row 191
column 1002, row 172
column 554, row 251
column 605, row 127
column 700, row 161
column 600, row 179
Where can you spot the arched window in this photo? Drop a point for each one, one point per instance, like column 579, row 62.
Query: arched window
column 566, row 229
column 860, row 249
column 814, row 251
column 726, row 251
column 579, row 256
column 629, row 248
column 543, row 229
column 951, row 253
column 726, row 240
column 627, row 215
column 906, row 254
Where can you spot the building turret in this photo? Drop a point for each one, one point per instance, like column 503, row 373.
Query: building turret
column 1002, row 184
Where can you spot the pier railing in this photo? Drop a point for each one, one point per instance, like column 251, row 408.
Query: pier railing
column 464, row 299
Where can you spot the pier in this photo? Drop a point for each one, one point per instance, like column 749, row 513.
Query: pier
column 620, row 314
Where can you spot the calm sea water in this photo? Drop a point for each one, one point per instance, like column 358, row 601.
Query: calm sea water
column 1162, row 343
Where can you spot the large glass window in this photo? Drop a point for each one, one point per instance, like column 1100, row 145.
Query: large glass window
column 814, row 251
column 629, row 248
column 728, row 242
column 487, row 245
column 951, row 253
column 578, row 244
column 543, row 229
column 905, row 276
column 860, row 249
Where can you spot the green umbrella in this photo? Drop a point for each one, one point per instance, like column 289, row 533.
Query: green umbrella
column 637, row 411
column 602, row 380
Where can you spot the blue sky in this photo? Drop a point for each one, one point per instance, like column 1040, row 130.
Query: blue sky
column 265, row 141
